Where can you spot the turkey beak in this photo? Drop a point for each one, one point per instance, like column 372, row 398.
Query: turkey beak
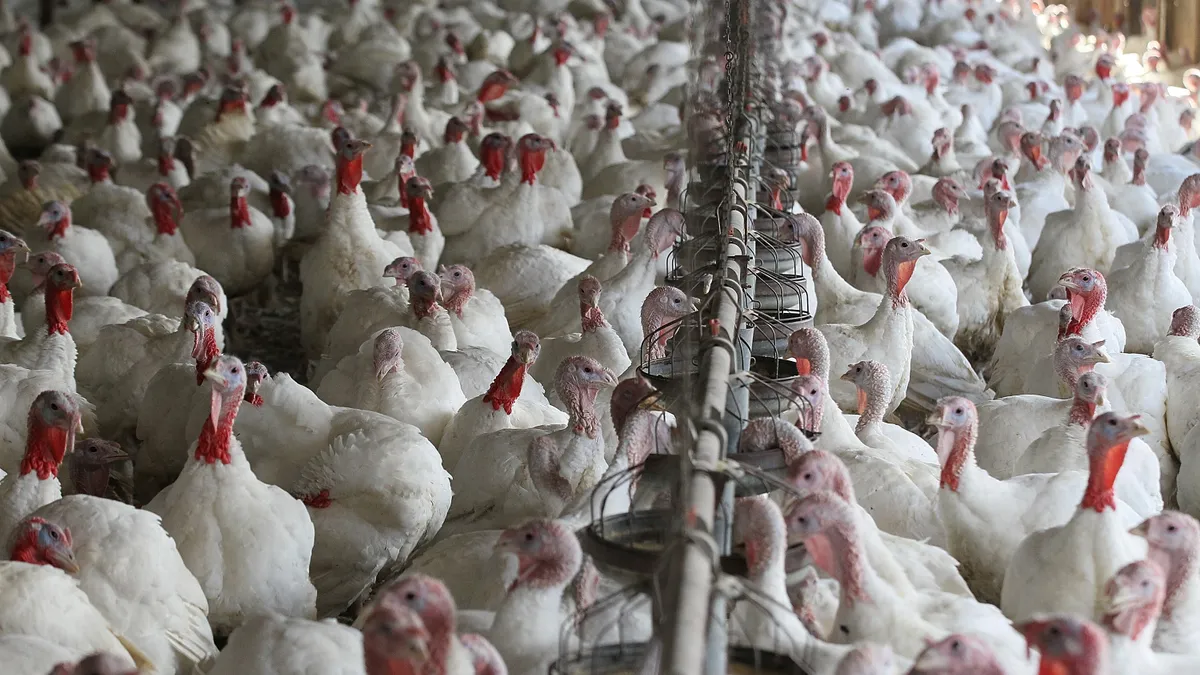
column 652, row 401
column 418, row 648
column 1066, row 281
column 116, row 454
column 1101, row 400
column 1142, row 529
column 936, row 420
column 848, row 376
column 1102, row 357
column 924, row 250
column 63, row 558
column 19, row 245
column 213, row 375
column 1123, row 599
column 1139, row 427
column 606, row 378
column 527, row 354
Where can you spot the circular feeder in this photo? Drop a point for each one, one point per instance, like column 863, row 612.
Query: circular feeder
column 663, row 468
column 628, row 542
column 772, row 330
column 774, row 291
column 769, row 223
column 705, row 194
column 773, row 255
column 633, row 543
column 627, row 660
column 770, row 395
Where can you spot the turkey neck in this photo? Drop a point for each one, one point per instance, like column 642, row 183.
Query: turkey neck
column 419, row 221
column 996, row 219
column 1102, row 475
column 506, row 388
column 831, row 288
column 831, row 152
column 624, row 228
column 60, row 305
column 281, row 206
column 424, row 306
column 591, row 318
column 766, row 546
column 838, row 552
column 580, row 402
column 1180, row 567
column 216, row 437
column 608, row 145
column 164, row 213
column 239, row 212
column 956, row 449
column 837, row 198
column 1082, row 412
column 8, row 264
column 395, row 123
column 813, row 362
column 204, row 351
column 1084, row 308
column 872, row 403
column 166, row 164
column 637, row 441
column 45, row 448
column 59, row 227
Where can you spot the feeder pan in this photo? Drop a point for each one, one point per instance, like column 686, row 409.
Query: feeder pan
column 774, row 291
column 664, row 468
column 669, row 375
column 633, row 543
column 773, row 255
column 705, row 194
column 702, row 219
column 627, row 660
column 772, row 330
column 770, row 395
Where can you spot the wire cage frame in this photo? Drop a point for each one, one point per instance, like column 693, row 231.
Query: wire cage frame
column 610, row 636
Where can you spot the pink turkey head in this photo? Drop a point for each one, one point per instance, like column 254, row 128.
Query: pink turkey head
column 39, row 542
column 958, row 654
column 1134, row 598
column 547, row 553
column 401, row 269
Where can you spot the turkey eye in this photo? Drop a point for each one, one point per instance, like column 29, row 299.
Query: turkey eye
column 808, row 476
column 1112, row 423
column 958, row 411
column 956, row 645
column 587, row 370
column 528, row 536
column 1171, row 528
column 53, row 534
column 410, row 596
column 234, row 371
column 54, row 406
